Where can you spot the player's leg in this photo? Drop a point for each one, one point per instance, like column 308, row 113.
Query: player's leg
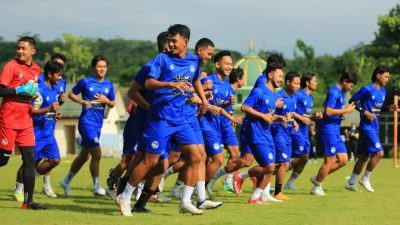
column 283, row 154
column 96, row 155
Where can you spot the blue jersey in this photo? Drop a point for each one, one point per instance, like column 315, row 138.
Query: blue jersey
column 59, row 88
column 335, row 100
column 89, row 87
column 140, row 78
column 371, row 99
column 222, row 92
column 261, row 80
column 287, row 110
column 263, row 100
column 303, row 108
column 45, row 124
column 229, row 109
column 167, row 103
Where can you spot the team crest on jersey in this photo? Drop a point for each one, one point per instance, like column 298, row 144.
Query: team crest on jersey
column 155, row 144
column 61, row 89
column 284, row 155
column 270, row 156
column 106, row 90
column 91, row 89
column 377, row 145
column 21, row 75
column 216, row 146
column 96, row 140
column 4, row 141
column 192, row 68
column 333, row 150
column 301, row 148
column 171, row 67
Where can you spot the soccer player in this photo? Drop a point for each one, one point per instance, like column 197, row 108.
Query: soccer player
column 170, row 78
column 282, row 133
column 304, row 116
column 274, row 58
column 18, row 88
column 260, row 107
column 369, row 102
column 335, row 153
column 97, row 92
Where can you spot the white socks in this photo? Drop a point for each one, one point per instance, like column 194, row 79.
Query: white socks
column 128, row 191
column 19, row 188
column 229, row 178
column 201, row 191
column 169, row 172
column 257, row 193
column 187, row 194
column 243, row 175
column 177, row 186
column 220, row 172
column 353, row 178
column 46, row 181
column 367, row 175
column 293, row 178
column 69, row 177
column 96, row 182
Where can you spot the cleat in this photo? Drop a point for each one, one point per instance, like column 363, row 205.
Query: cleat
column 99, row 191
column 111, row 181
column 281, row 196
column 367, row 185
column 254, row 181
column 208, row 204
column 257, row 201
column 269, row 198
column 160, row 198
column 121, row 184
column 313, row 180
column 290, row 186
column 227, row 186
column 237, row 182
column 210, row 186
column 32, row 205
column 161, row 185
column 112, row 193
column 187, row 207
column 66, row 187
column 19, row 197
column 351, row 187
column 48, row 191
column 124, row 206
column 317, row 190
column 140, row 210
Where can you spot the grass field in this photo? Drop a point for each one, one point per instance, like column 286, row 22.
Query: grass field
column 338, row 207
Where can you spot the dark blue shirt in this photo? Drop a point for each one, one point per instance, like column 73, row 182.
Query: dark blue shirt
column 335, row 100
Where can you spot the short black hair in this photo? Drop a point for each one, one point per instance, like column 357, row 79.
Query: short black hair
column 59, row 56
column 221, row 54
column 379, row 70
column 349, row 77
column 291, row 75
column 306, row 77
column 180, row 29
column 275, row 58
column 272, row 67
column 203, row 43
column 98, row 58
column 162, row 40
column 52, row 66
column 236, row 74
column 28, row 39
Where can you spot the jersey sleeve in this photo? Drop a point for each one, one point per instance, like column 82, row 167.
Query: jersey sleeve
column 6, row 74
column 156, row 67
column 140, row 77
column 79, row 87
column 197, row 73
column 111, row 94
column 331, row 99
column 253, row 97
column 205, row 79
column 357, row 97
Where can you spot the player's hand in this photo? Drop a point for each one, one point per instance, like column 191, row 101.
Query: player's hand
column 62, row 98
column 203, row 107
column 370, row 116
column 236, row 121
column 215, row 110
column 268, row 118
column 182, row 86
column 54, row 106
column 281, row 119
column 100, row 98
column 209, row 95
column 208, row 85
column 350, row 108
column 86, row 104
column 296, row 126
column 319, row 115
column 344, row 116
column 194, row 100
column 232, row 100
column 58, row 116
column 279, row 103
column 28, row 89
column 393, row 108
column 306, row 120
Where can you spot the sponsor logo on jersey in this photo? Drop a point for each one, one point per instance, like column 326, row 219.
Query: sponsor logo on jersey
column 21, row 75
column 106, row 90
column 192, row 68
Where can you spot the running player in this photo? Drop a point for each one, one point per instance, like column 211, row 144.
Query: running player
column 369, row 102
column 97, row 92
column 18, row 88
column 170, row 77
column 335, row 152
column 301, row 141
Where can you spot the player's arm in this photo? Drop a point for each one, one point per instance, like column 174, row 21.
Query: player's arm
column 4, row 91
column 303, row 119
column 78, row 100
column 200, row 92
column 356, row 100
column 103, row 99
column 230, row 117
column 134, row 94
column 153, row 84
column 53, row 107
column 330, row 103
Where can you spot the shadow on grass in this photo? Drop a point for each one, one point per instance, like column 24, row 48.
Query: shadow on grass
column 82, row 209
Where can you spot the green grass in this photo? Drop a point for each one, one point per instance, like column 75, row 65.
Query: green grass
column 338, row 207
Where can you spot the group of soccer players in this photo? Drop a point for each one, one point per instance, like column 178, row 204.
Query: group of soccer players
column 180, row 122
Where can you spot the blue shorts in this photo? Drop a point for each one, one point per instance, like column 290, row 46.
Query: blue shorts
column 131, row 138
column 244, row 144
column 90, row 135
column 332, row 144
column 369, row 143
column 159, row 132
column 283, row 147
column 300, row 144
column 263, row 153
column 47, row 149
column 229, row 137
column 212, row 142
column 198, row 132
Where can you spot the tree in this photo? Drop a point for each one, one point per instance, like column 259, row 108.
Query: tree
column 78, row 55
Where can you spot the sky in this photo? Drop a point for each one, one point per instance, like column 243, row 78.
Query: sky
column 330, row 26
